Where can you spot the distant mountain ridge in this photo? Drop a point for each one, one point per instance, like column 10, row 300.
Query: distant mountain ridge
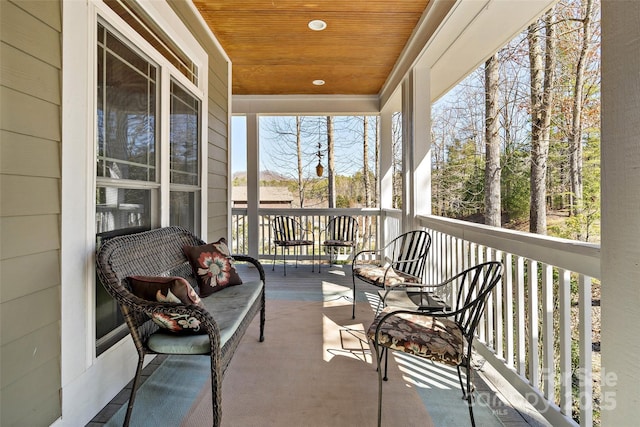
column 264, row 176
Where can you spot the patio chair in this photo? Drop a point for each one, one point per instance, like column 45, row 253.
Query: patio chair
column 445, row 336
column 340, row 234
column 289, row 233
column 400, row 262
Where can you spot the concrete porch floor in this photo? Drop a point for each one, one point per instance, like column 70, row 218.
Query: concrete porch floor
column 508, row 405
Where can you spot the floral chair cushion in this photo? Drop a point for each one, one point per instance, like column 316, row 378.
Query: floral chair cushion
column 213, row 266
column 435, row 338
column 338, row 243
column 293, row 242
column 375, row 274
column 168, row 289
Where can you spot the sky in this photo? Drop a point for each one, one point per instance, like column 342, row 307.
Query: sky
column 238, row 144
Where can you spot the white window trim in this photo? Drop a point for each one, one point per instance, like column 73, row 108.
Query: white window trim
column 80, row 369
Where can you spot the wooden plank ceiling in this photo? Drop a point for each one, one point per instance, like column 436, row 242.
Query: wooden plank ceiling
column 274, row 52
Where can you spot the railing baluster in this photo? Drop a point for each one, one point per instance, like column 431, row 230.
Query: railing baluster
column 564, row 332
column 498, row 321
column 447, row 254
column 548, row 371
column 483, row 325
column 490, row 339
column 507, row 279
column 521, row 330
column 534, row 358
column 442, row 272
column 585, row 372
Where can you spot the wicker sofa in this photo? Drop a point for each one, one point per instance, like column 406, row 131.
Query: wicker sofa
column 225, row 315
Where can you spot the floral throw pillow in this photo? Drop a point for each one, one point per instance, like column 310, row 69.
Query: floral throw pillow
column 213, row 266
column 169, row 289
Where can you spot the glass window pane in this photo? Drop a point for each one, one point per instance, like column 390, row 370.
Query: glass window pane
column 121, row 208
column 125, row 53
column 184, row 125
column 119, row 211
column 184, row 209
column 108, row 316
column 127, row 111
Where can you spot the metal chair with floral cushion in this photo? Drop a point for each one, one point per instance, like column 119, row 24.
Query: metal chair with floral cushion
column 289, row 233
column 400, row 262
column 445, row 336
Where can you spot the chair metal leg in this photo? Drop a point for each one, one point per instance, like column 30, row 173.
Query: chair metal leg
column 376, row 346
column 470, row 395
column 275, row 253
column 384, row 353
column 464, row 392
column 353, row 279
column 386, row 363
column 467, row 392
column 313, row 258
column 284, row 260
column 134, row 388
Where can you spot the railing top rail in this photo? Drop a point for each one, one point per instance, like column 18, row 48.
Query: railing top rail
column 318, row 211
column 394, row 213
column 572, row 255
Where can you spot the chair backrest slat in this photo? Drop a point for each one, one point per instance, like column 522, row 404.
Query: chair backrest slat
column 285, row 228
column 474, row 286
column 342, row 228
column 409, row 251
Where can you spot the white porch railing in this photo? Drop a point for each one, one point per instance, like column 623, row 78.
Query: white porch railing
column 526, row 331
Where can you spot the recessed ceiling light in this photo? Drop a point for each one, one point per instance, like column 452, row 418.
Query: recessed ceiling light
column 317, row 25
column 318, row 82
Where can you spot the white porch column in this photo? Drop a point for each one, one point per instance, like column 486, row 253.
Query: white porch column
column 386, row 170
column 416, row 146
column 386, row 160
column 253, row 182
column 620, row 227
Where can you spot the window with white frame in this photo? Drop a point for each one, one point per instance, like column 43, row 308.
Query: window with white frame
column 148, row 151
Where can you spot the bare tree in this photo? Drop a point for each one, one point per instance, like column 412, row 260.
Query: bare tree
column 331, row 163
column 542, row 69
column 376, row 163
column 492, row 171
column 396, row 166
column 288, row 137
column 299, row 155
column 365, row 162
column 575, row 134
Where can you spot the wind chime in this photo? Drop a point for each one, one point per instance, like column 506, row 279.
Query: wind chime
column 319, row 167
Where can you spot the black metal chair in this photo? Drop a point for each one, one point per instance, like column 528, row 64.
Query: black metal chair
column 289, row 233
column 444, row 336
column 400, row 262
column 340, row 234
